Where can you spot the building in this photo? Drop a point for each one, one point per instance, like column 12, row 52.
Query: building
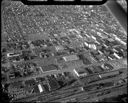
column 51, row 67
column 59, row 48
column 30, row 82
column 53, row 84
column 84, row 59
column 46, row 87
column 92, row 46
column 37, row 89
column 40, row 88
column 97, row 69
column 117, row 56
column 81, row 72
column 13, row 54
column 70, row 58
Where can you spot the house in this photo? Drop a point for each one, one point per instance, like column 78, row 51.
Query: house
column 117, row 56
column 92, row 46
column 59, row 48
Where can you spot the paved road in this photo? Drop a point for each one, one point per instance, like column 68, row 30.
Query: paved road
column 69, row 69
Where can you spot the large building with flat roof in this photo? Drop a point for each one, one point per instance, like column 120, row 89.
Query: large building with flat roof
column 81, row 71
column 70, row 58
column 49, row 68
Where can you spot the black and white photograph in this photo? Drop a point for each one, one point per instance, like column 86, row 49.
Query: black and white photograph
column 64, row 53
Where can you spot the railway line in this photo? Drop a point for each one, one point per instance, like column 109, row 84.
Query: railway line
column 111, row 92
column 25, row 24
column 70, row 89
column 91, row 92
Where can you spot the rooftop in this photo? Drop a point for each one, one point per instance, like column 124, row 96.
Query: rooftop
column 49, row 67
column 71, row 58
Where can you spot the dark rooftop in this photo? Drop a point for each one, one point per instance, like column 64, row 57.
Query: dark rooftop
column 49, row 68
column 53, row 83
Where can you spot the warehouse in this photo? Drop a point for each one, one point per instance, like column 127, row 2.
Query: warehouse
column 13, row 54
column 50, row 68
column 71, row 58
column 81, row 71
column 40, row 88
column 53, row 84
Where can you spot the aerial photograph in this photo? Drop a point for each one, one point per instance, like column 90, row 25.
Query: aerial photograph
column 63, row 53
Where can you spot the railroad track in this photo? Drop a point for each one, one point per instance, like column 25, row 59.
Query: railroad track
column 68, row 90
column 91, row 92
